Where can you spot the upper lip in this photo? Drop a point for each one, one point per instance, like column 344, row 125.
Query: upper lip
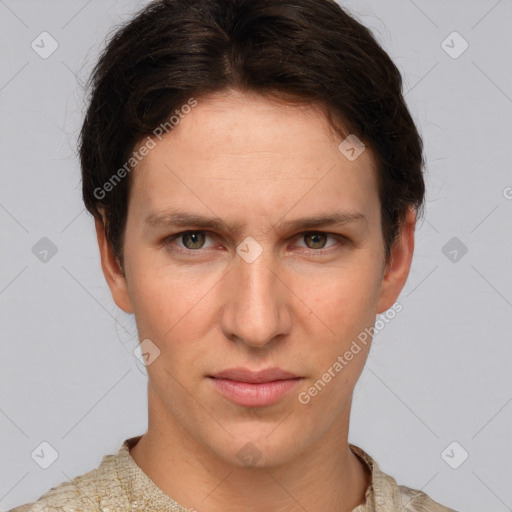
column 246, row 375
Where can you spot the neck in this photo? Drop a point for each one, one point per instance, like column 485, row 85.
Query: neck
column 328, row 476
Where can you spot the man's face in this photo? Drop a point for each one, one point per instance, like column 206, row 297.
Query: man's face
column 254, row 292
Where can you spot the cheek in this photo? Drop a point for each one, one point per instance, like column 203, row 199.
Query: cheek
column 159, row 292
column 172, row 309
column 159, row 302
column 344, row 300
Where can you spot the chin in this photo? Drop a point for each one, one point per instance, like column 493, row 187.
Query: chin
column 259, row 447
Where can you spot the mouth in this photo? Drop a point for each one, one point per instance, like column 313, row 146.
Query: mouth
column 254, row 389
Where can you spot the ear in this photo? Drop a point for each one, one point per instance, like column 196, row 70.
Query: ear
column 397, row 270
column 112, row 270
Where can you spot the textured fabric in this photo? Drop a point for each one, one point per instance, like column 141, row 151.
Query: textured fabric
column 119, row 485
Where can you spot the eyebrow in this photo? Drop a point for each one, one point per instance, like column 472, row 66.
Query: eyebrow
column 182, row 219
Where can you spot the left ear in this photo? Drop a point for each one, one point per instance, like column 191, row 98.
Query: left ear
column 397, row 270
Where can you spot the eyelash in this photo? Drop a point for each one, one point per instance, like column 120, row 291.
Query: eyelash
column 167, row 242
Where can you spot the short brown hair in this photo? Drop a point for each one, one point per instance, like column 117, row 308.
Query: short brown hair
column 300, row 50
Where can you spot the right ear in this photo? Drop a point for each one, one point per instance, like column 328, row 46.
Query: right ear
column 112, row 270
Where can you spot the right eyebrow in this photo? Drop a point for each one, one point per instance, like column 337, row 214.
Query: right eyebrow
column 179, row 219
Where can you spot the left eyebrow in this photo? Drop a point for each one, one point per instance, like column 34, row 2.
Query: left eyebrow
column 182, row 219
column 324, row 220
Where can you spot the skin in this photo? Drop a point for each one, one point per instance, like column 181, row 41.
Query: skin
column 247, row 159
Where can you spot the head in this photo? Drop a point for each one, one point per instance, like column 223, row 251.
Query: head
column 252, row 115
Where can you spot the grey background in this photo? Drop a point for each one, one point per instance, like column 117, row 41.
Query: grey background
column 440, row 372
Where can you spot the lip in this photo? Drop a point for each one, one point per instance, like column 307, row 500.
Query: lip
column 254, row 389
column 246, row 375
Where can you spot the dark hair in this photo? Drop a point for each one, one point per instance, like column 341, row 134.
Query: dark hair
column 298, row 50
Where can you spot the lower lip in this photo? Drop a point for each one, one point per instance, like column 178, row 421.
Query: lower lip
column 254, row 395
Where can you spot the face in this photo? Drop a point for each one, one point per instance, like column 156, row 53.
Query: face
column 227, row 271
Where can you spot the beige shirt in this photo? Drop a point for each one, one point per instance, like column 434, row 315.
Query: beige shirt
column 119, row 485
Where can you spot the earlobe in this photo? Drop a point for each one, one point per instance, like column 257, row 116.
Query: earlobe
column 112, row 270
column 397, row 270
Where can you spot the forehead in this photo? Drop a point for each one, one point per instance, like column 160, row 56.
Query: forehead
column 253, row 154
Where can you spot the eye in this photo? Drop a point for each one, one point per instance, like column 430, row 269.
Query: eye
column 317, row 240
column 191, row 240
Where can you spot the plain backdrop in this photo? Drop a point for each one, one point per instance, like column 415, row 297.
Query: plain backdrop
column 437, row 386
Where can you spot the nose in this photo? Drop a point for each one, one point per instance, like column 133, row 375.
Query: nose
column 256, row 311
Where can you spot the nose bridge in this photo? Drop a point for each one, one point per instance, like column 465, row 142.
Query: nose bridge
column 256, row 311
